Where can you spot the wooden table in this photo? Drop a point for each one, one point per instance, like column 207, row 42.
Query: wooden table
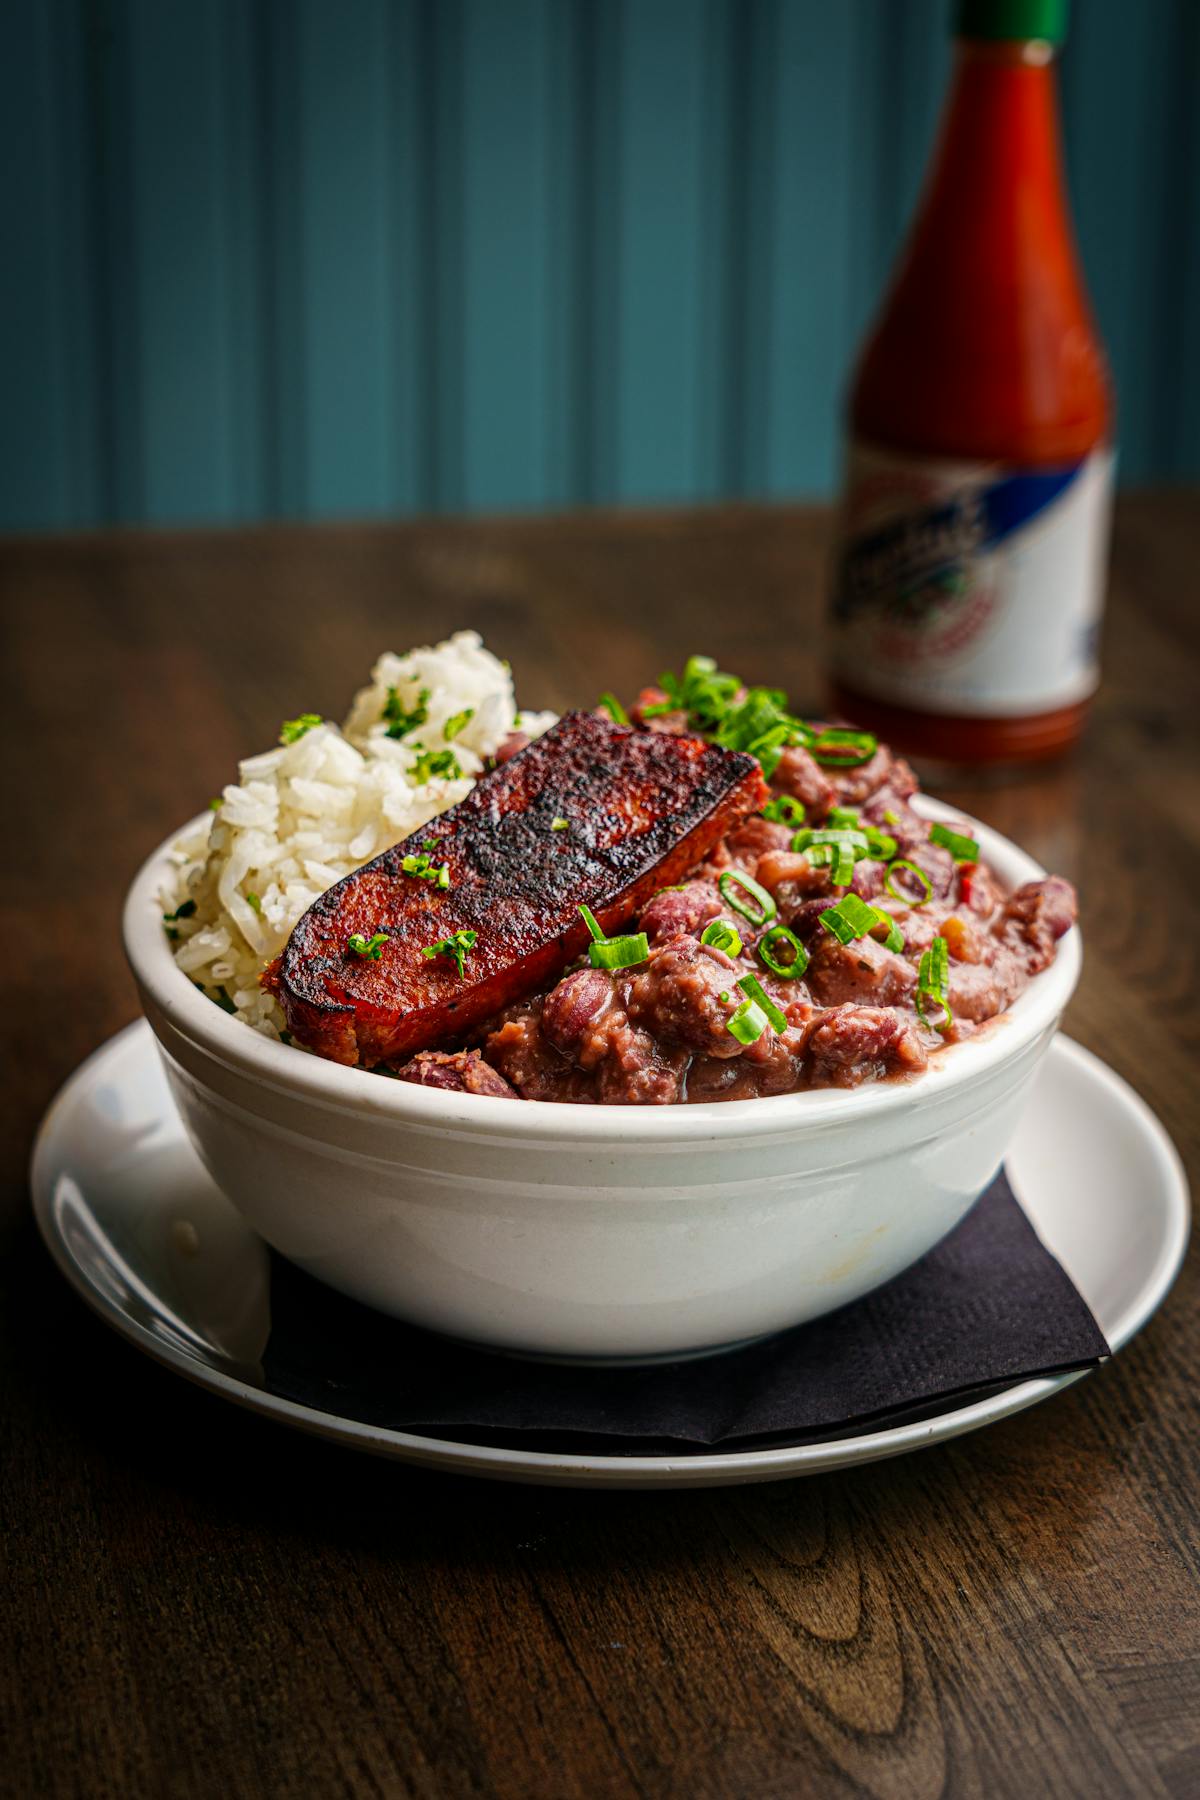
column 203, row 1605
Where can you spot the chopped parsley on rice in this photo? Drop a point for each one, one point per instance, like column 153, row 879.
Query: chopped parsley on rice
column 325, row 801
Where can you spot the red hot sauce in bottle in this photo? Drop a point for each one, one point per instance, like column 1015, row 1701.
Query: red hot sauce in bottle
column 970, row 579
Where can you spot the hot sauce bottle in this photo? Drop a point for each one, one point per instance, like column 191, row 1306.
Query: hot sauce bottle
column 974, row 535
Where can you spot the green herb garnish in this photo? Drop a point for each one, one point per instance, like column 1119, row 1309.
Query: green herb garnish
column 784, row 810
column 185, row 910
column 613, row 953
column 614, row 709
column 457, row 946
column 918, row 875
column 371, row 947
column 852, row 918
column 840, row 749
column 457, row 722
column 401, row 719
column 932, row 985
column 754, row 990
column 754, row 902
column 798, row 961
column 254, row 903
column 435, row 765
column 292, row 730
column 724, row 935
column 748, row 1023
column 962, row 849
column 560, row 824
column 424, row 870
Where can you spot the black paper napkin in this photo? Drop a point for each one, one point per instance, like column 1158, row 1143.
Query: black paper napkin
column 988, row 1306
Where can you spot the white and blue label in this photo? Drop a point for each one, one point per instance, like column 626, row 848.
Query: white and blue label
column 971, row 588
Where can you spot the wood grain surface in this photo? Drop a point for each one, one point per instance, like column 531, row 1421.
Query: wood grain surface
column 200, row 1604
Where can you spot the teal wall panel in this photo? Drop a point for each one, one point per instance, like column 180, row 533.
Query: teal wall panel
column 358, row 258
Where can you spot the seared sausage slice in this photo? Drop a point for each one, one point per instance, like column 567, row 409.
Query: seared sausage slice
column 641, row 809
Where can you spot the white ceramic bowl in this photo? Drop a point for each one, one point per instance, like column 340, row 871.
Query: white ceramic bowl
column 601, row 1232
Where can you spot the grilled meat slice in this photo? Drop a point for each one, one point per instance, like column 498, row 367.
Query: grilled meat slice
column 641, row 808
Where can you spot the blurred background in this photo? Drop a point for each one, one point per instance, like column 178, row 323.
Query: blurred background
column 353, row 258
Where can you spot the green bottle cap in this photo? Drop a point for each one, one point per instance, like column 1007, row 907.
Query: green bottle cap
column 1045, row 19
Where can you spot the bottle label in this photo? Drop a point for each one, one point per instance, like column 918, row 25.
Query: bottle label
column 967, row 587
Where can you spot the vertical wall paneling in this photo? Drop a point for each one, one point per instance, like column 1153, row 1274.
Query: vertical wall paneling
column 411, row 400
column 180, row 138
column 812, row 155
column 1120, row 175
column 45, row 418
column 278, row 76
column 599, row 251
column 116, row 181
column 346, row 186
column 508, row 235
column 444, row 252
column 243, row 53
column 311, row 258
column 660, row 247
column 1178, row 358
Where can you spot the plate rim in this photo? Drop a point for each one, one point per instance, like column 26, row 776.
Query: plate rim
column 694, row 1469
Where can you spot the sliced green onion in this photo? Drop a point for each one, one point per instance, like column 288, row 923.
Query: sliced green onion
column 748, row 1023
column 443, row 876
column 893, row 937
column 925, row 998
column 458, row 946
column 254, row 903
column 724, row 997
column 839, row 858
column 779, row 934
column 935, row 965
column 753, row 989
column 613, row 953
column 918, row 874
column 854, row 840
column 724, row 935
column 841, row 749
column 784, row 810
column 962, row 849
column 890, row 817
column 619, row 952
column 932, row 977
column 371, row 947
column 760, row 913
column 843, row 818
column 592, row 923
column 880, row 844
column 852, row 919
column 614, row 709
column 560, row 824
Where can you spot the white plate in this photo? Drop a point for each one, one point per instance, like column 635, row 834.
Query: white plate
column 141, row 1232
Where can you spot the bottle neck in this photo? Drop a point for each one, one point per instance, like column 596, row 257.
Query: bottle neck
column 1000, row 125
column 986, row 343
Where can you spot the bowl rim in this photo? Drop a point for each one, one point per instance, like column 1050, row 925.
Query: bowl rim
column 329, row 1086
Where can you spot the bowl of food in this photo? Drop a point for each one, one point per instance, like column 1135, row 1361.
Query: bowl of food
column 598, row 1039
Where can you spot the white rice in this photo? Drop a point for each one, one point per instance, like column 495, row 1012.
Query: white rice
column 301, row 816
